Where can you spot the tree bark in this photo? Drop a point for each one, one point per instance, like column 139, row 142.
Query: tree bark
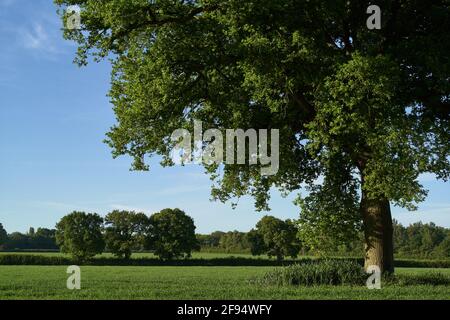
column 378, row 232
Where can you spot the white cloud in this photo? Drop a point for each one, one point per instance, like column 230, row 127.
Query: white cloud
column 182, row 189
column 54, row 204
column 37, row 38
column 129, row 208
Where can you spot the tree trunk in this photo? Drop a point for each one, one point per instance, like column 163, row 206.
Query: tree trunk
column 378, row 232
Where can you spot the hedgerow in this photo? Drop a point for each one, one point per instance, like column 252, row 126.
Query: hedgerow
column 38, row 259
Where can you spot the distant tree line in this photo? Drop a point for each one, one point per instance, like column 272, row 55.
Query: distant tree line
column 418, row 240
column 40, row 239
column 228, row 242
column 171, row 234
column 421, row 240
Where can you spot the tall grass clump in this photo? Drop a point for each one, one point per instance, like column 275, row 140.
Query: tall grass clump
column 323, row 272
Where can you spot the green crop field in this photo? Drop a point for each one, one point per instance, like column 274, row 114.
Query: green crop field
column 188, row 282
column 49, row 282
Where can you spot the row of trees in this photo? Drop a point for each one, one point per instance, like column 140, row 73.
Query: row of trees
column 170, row 233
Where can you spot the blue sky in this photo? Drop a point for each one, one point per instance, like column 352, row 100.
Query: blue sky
column 53, row 118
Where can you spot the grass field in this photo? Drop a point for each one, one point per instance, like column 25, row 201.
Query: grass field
column 188, row 282
column 49, row 282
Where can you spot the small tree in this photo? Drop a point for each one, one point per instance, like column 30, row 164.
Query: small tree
column 3, row 236
column 256, row 240
column 80, row 235
column 31, row 232
column 234, row 241
column 275, row 237
column 125, row 231
column 210, row 240
column 172, row 234
column 215, row 238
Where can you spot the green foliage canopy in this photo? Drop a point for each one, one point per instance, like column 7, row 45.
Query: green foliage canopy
column 274, row 237
column 80, row 235
column 172, row 234
column 125, row 231
column 368, row 110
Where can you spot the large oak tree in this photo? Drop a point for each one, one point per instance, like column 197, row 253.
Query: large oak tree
column 366, row 110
